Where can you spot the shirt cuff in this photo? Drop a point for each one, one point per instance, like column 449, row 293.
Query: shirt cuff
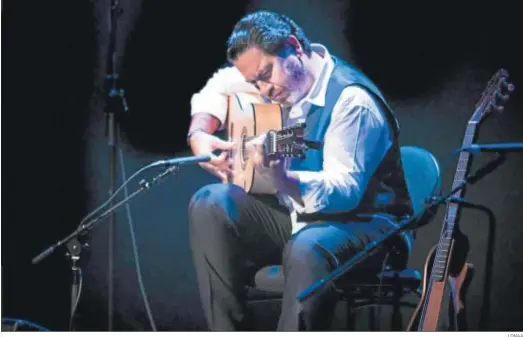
column 213, row 104
column 313, row 191
column 327, row 192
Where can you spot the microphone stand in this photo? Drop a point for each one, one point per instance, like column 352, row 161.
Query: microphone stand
column 114, row 104
column 75, row 248
column 371, row 249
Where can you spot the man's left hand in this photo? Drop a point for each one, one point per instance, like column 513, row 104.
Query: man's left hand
column 273, row 167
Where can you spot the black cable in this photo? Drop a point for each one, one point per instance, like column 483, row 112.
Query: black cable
column 135, row 249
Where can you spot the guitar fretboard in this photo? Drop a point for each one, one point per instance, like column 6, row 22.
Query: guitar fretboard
column 442, row 254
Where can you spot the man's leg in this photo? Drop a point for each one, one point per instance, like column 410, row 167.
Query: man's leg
column 229, row 229
column 312, row 253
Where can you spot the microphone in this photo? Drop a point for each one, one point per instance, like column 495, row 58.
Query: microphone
column 499, row 147
column 183, row 161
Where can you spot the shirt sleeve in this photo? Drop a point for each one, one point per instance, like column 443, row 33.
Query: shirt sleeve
column 356, row 140
column 212, row 98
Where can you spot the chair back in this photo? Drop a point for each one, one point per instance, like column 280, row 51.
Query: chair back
column 422, row 175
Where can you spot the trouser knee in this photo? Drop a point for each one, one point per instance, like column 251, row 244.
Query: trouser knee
column 211, row 205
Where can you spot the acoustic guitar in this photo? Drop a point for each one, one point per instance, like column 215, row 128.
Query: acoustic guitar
column 249, row 117
column 446, row 269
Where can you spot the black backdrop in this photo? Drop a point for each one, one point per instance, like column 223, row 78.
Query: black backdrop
column 432, row 60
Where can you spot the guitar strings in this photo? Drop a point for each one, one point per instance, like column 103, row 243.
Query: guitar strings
column 431, row 278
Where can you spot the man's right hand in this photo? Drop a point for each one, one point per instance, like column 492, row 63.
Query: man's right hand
column 203, row 143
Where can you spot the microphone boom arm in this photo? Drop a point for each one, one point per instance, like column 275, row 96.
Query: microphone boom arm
column 144, row 185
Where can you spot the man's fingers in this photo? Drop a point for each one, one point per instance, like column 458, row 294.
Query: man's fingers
column 274, row 163
column 219, row 160
column 256, row 152
column 222, row 156
column 207, row 167
column 257, row 158
column 217, row 171
column 220, row 175
column 212, row 169
column 250, row 148
column 222, row 163
column 259, row 140
column 223, row 145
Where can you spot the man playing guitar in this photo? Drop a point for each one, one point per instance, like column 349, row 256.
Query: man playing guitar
column 311, row 225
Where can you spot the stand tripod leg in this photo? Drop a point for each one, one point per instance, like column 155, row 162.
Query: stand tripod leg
column 74, row 249
column 74, row 292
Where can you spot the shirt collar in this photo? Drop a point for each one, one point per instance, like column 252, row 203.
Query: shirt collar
column 323, row 65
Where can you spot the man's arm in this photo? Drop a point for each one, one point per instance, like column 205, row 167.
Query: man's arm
column 356, row 140
column 209, row 105
column 202, row 122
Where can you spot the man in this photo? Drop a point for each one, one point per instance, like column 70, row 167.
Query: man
column 357, row 171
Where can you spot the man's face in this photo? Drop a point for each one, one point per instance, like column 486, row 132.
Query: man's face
column 281, row 78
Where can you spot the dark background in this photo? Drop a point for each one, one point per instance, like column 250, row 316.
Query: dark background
column 431, row 58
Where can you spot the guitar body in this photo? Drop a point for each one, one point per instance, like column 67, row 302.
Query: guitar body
column 248, row 117
column 455, row 286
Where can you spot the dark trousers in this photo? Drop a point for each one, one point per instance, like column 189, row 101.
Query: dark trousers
column 233, row 234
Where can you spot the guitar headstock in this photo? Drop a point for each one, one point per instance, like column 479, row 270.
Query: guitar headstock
column 494, row 96
column 287, row 142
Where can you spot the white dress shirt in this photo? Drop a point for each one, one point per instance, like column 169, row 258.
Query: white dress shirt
column 356, row 139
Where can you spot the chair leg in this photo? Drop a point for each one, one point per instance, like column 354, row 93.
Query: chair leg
column 372, row 319
column 396, row 318
column 350, row 316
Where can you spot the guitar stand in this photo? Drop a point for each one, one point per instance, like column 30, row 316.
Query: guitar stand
column 487, row 284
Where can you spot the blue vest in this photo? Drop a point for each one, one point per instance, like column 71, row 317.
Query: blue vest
column 387, row 190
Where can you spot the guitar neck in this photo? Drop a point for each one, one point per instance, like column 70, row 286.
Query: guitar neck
column 453, row 208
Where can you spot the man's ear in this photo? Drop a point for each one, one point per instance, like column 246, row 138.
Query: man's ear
column 293, row 42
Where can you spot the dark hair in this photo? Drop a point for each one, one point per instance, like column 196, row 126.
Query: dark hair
column 266, row 30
